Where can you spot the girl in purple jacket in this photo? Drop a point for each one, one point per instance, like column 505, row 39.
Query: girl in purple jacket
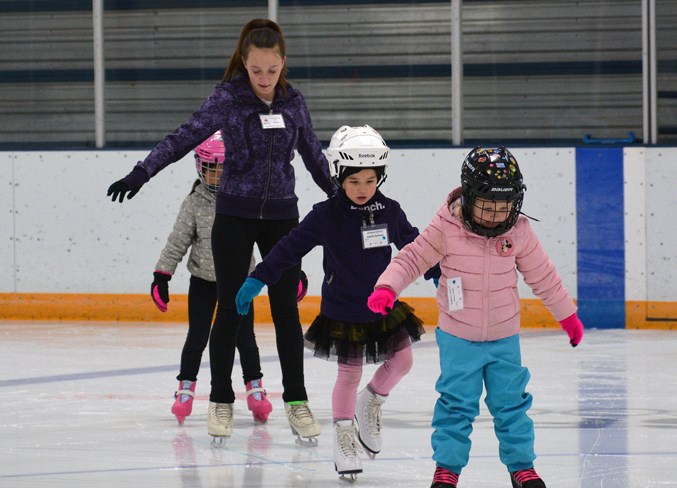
column 263, row 120
column 481, row 241
column 355, row 228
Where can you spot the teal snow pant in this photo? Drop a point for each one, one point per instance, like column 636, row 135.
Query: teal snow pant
column 465, row 367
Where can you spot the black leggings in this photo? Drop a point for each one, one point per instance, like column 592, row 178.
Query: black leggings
column 201, row 305
column 233, row 241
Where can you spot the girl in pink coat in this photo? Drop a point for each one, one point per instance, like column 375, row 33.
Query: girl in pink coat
column 481, row 241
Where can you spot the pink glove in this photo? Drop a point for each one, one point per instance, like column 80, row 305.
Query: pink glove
column 159, row 289
column 574, row 328
column 381, row 300
column 303, row 287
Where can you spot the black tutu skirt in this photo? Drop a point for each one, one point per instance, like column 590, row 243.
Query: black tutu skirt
column 369, row 343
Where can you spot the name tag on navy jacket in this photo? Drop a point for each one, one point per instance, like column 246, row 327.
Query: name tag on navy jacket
column 375, row 236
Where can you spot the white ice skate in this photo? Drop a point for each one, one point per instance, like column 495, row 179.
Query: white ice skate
column 368, row 418
column 303, row 423
column 220, row 422
column 346, row 460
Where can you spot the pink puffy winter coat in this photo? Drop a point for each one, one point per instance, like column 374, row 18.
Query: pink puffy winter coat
column 488, row 271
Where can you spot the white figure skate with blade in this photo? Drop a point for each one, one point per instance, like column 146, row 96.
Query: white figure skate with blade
column 368, row 418
column 346, row 447
column 220, row 422
column 303, row 423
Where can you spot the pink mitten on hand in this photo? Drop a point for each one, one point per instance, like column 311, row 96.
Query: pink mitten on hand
column 574, row 328
column 159, row 289
column 381, row 301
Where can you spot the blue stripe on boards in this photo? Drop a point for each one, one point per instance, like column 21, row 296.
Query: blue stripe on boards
column 497, row 70
column 600, row 229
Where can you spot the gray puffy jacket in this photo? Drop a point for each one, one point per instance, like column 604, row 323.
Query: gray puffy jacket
column 193, row 228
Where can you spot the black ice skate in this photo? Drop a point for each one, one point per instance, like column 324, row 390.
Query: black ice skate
column 443, row 478
column 526, row 478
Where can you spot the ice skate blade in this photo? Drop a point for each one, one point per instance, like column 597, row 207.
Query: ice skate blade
column 350, row 475
column 218, row 441
column 371, row 454
column 306, row 441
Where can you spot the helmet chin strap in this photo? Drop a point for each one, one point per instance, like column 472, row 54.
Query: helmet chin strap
column 529, row 216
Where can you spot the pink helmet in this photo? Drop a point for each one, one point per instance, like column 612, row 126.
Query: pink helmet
column 209, row 157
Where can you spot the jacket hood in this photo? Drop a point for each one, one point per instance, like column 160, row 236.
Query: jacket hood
column 204, row 193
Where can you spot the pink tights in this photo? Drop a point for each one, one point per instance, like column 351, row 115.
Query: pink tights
column 385, row 378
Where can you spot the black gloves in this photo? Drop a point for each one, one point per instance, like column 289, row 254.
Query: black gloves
column 131, row 183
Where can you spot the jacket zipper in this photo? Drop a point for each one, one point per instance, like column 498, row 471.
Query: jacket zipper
column 270, row 168
column 485, row 318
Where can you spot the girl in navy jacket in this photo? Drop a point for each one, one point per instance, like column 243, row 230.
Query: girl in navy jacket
column 355, row 227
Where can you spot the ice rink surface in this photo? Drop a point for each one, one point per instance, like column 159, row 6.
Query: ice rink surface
column 88, row 405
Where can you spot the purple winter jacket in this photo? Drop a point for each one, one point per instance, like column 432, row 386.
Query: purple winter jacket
column 258, row 178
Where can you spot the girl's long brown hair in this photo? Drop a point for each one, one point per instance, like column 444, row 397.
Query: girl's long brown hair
column 263, row 34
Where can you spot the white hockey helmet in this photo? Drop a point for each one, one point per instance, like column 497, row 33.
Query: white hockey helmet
column 357, row 147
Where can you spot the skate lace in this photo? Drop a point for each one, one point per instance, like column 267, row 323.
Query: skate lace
column 524, row 475
column 443, row 475
column 302, row 414
column 223, row 412
column 347, row 442
column 374, row 415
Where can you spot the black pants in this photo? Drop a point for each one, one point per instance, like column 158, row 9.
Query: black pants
column 233, row 241
column 201, row 305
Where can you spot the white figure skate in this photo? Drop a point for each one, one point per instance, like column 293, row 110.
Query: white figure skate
column 368, row 418
column 220, row 422
column 303, row 423
column 346, row 460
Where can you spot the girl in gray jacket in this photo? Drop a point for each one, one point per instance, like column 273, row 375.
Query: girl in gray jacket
column 193, row 229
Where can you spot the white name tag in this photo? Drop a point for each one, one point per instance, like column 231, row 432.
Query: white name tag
column 272, row 121
column 375, row 236
column 455, row 294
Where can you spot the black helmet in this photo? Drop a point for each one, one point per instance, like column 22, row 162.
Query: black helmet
column 491, row 174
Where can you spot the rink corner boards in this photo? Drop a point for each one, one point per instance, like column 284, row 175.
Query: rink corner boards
column 139, row 308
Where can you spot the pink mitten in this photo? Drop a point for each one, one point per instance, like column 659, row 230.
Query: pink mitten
column 574, row 328
column 381, row 300
column 303, row 287
column 159, row 289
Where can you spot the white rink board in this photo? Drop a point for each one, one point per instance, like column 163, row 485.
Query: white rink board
column 71, row 238
column 6, row 223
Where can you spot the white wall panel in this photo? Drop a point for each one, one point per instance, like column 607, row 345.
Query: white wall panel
column 72, row 239
column 6, row 223
column 550, row 177
column 661, row 225
column 634, row 201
